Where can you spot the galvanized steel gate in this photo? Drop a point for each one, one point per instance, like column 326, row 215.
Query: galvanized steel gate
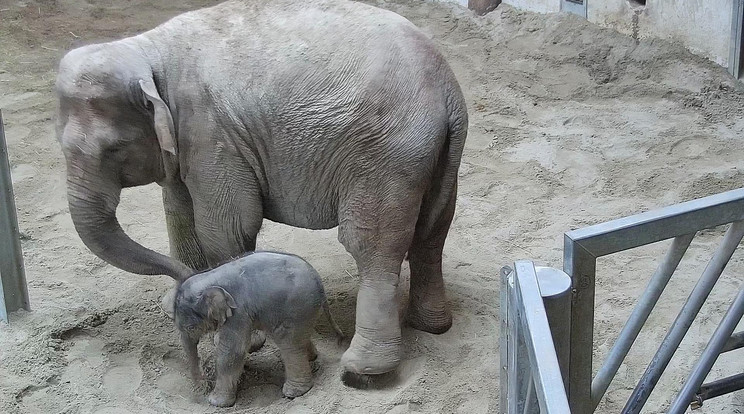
column 581, row 249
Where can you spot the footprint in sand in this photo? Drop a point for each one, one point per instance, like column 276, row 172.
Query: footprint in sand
column 84, row 358
column 123, row 376
column 174, row 380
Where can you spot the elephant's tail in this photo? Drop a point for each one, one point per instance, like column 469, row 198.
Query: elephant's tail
column 339, row 333
column 437, row 206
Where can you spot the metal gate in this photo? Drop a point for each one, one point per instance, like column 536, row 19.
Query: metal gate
column 680, row 222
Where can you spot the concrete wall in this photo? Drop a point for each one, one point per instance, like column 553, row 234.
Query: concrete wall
column 703, row 26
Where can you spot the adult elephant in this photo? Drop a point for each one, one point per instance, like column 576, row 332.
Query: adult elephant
column 316, row 114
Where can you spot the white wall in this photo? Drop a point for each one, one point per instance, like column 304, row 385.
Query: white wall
column 703, row 26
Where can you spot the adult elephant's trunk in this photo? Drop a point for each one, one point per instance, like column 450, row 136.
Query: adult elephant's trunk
column 93, row 205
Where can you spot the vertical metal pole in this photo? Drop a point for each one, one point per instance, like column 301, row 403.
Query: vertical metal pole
column 555, row 289
column 685, row 318
column 735, row 42
column 639, row 316
column 581, row 265
column 716, row 343
column 541, row 356
column 504, row 275
column 518, row 359
column 518, row 393
column 14, row 293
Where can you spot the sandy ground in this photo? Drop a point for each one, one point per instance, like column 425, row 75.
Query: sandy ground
column 571, row 125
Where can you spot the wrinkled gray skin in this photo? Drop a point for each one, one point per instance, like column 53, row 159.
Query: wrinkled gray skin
column 316, row 114
column 280, row 294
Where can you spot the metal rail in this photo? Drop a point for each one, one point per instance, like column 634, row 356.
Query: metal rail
column 704, row 365
column 582, row 248
column 531, row 376
column 13, row 290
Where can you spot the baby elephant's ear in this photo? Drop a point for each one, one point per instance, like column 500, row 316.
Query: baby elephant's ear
column 219, row 303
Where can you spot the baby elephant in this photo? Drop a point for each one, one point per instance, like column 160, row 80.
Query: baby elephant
column 280, row 294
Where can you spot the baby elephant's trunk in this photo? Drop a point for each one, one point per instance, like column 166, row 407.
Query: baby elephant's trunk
column 339, row 333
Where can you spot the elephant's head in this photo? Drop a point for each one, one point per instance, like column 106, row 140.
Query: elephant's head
column 115, row 131
column 197, row 312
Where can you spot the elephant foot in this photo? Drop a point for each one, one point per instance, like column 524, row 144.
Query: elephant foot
column 427, row 305
column 366, row 357
column 168, row 302
column 221, row 400
column 258, row 339
column 292, row 389
column 432, row 317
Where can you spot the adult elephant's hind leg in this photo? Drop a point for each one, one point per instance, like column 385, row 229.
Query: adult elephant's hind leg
column 377, row 235
column 427, row 306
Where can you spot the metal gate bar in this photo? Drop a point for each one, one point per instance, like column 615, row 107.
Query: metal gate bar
column 735, row 342
column 718, row 388
column 531, row 371
column 582, row 248
column 640, row 314
column 684, row 320
column 13, row 290
column 704, row 365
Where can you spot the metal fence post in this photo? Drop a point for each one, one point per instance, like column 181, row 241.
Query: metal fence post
column 581, row 265
column 504, row 293
column 14, row 293
column 555, row 288
column 519, row 377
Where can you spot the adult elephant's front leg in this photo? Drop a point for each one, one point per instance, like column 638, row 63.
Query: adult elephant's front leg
column 179, row 219
column 377, row 236
column 184, row 245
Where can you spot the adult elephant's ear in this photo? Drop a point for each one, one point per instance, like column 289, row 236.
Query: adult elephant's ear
column 163, row 120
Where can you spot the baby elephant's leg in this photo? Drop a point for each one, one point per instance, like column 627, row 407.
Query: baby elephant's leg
column 230, row 352
column 293, row 346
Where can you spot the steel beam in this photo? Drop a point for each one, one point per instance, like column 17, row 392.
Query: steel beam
column 665, row 223
column 14, row 293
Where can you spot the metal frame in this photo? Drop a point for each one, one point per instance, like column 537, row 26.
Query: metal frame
column 577, row 7
column 531, row 375
column 13, row 290
column 582, row 248
column 704, row 365
column 735, row 43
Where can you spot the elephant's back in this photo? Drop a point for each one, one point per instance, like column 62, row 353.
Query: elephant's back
column 287, row 34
